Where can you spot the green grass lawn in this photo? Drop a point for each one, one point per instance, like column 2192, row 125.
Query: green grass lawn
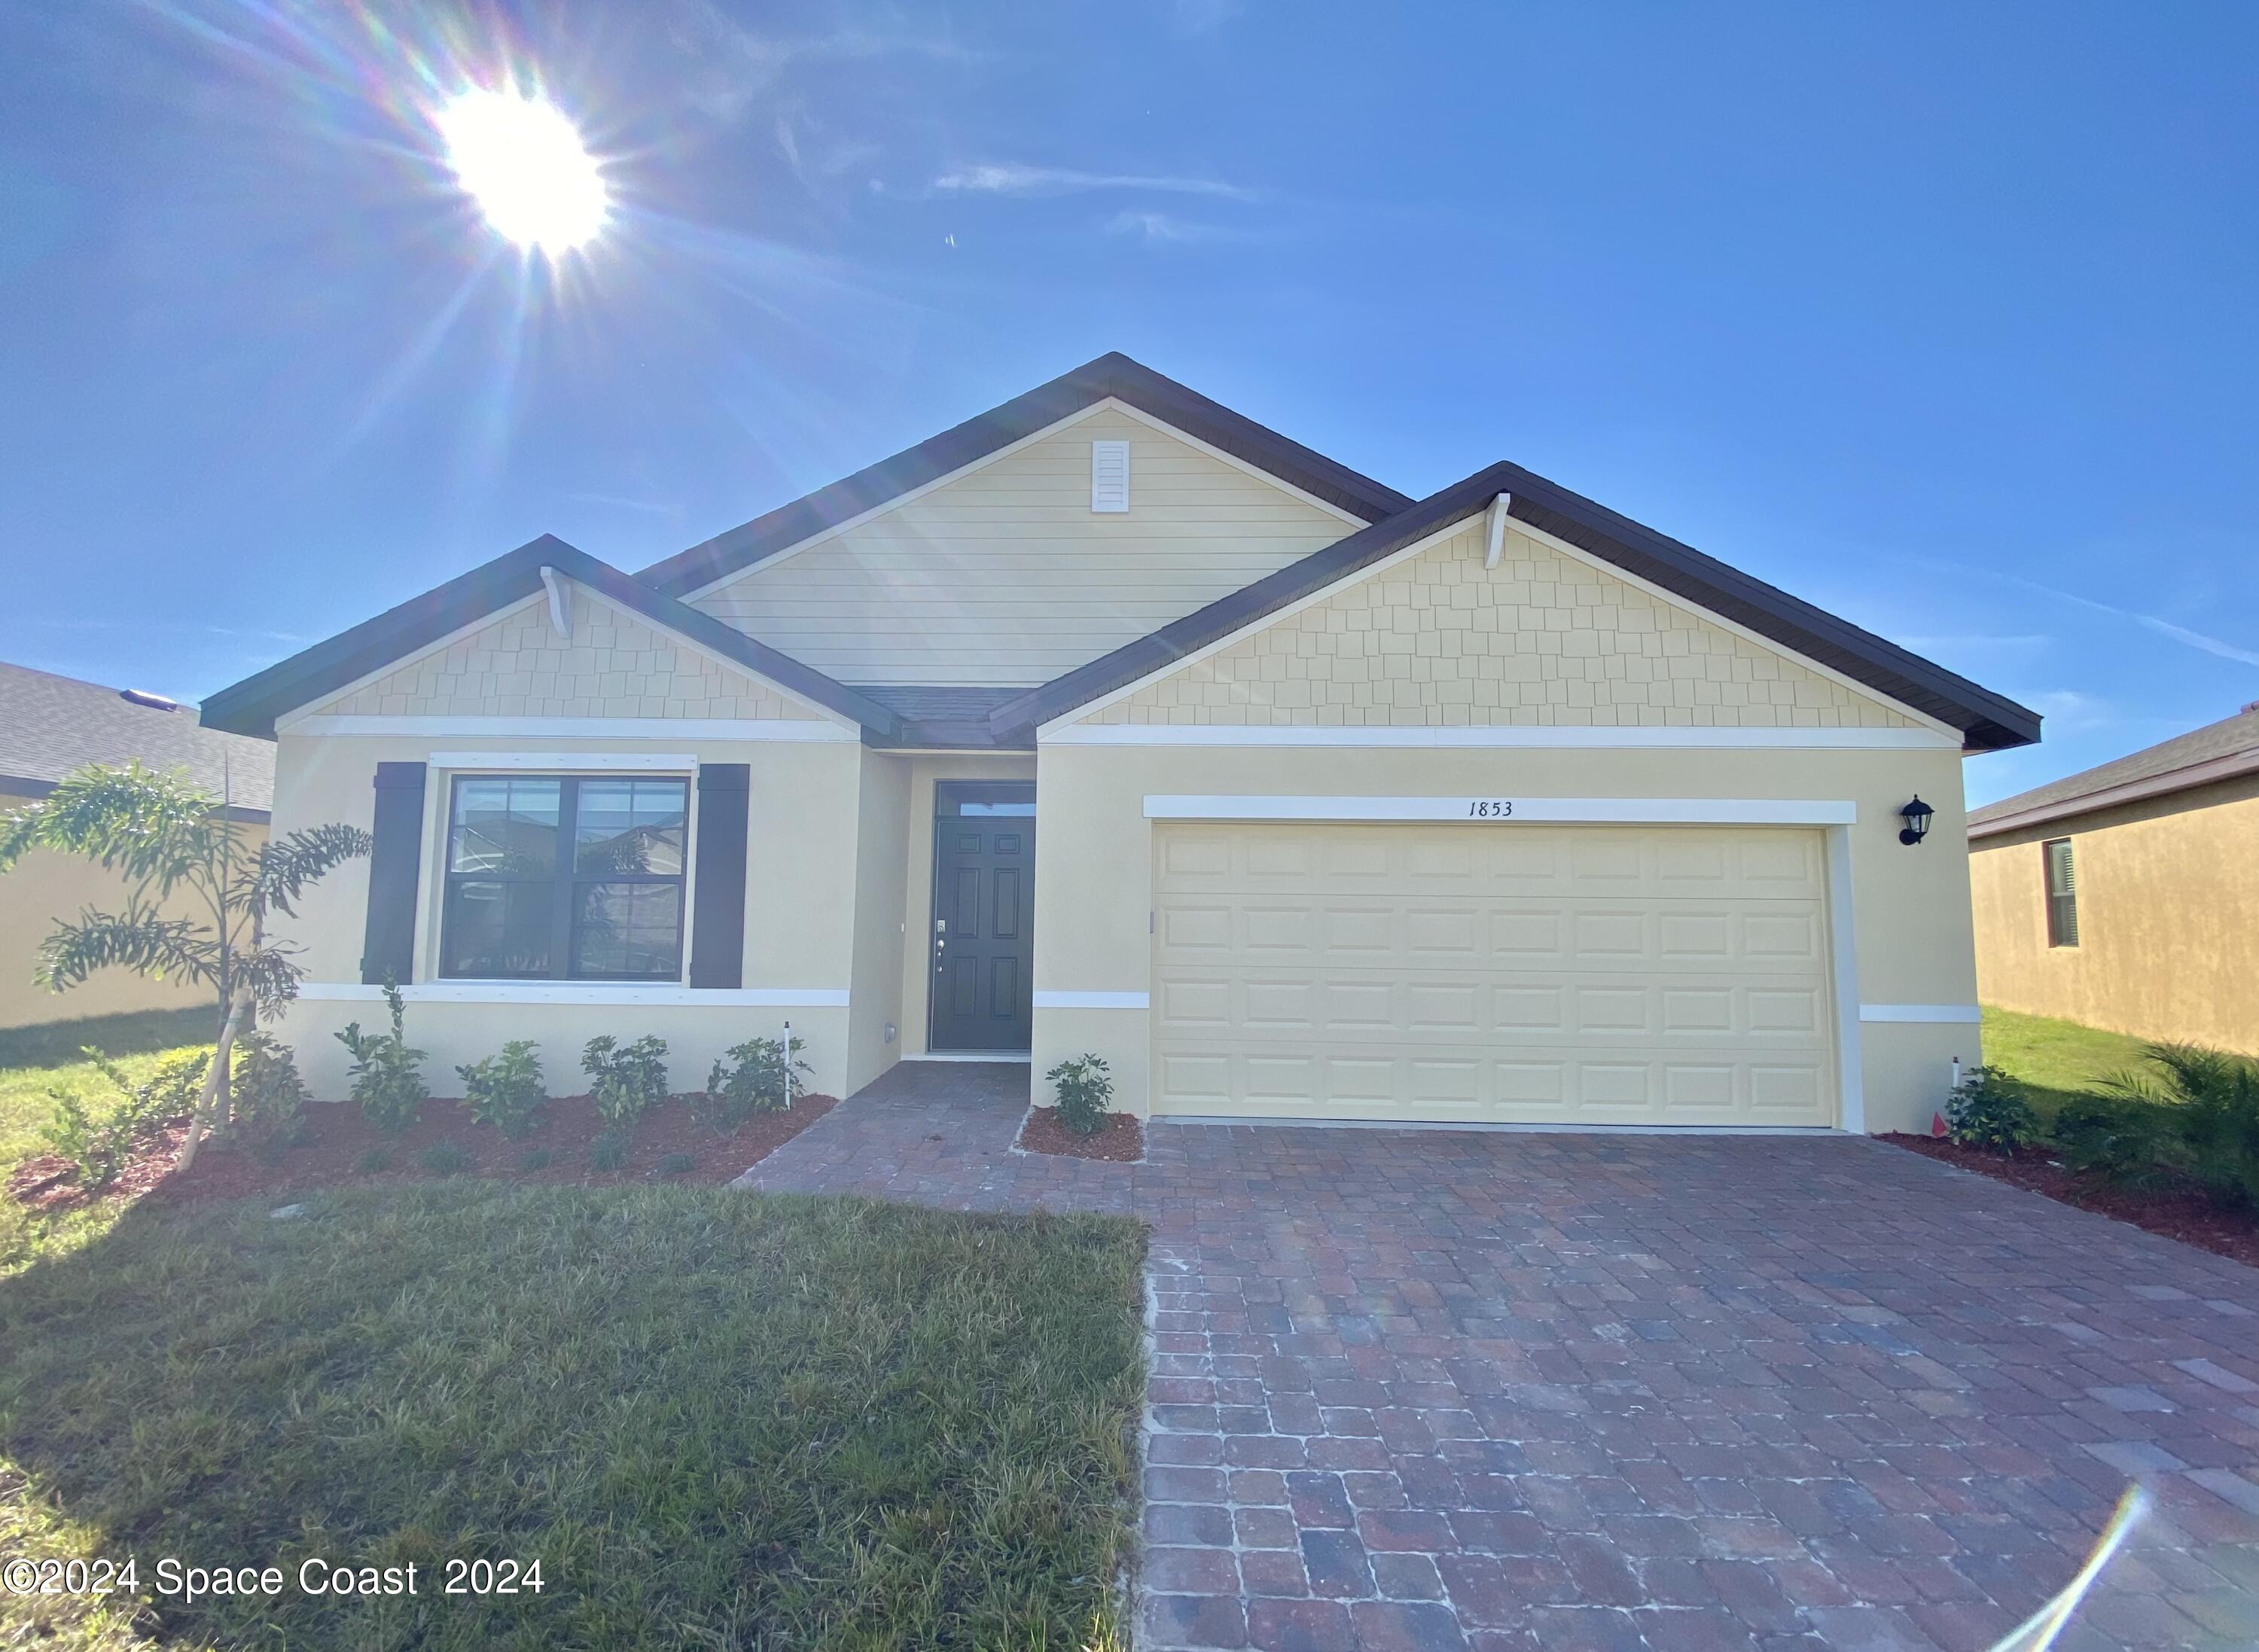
column 714, row 1418
column 2056, row 1059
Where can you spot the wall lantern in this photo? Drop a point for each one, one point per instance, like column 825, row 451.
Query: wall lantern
column 1917, row 815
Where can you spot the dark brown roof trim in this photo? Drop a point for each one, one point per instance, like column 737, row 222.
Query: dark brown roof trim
column 1988, row 721
column 1113, row 374
column 251, row 706
column 2232, row 766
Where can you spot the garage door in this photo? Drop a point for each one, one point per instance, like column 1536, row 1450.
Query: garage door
column 1555, row 974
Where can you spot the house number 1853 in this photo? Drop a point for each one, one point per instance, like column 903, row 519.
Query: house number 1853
column 1489, row 809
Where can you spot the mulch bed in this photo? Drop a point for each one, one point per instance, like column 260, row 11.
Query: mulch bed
column 2181, row 1212
column 1121, row 1142
column 333, row 1138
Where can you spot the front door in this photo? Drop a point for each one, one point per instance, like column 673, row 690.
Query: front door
column 984, row 931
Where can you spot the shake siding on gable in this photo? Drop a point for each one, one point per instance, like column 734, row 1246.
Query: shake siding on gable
column 1006, row 576
column 613, row 666
column 1541, row 640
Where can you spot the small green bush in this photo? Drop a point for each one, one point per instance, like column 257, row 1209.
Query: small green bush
column 676, row 1164
column 2117, row 1137
column 375, row 1159
column 388, row 1071
column 755, row 1079
column 97, row 1145
column 1988, row 1110
column 608, row 1151
column 505, row 1090
column 2211, row 1101
column 98, row 1139
column 1085, row 1086
column 167, row 1094
column 538, row 1159
column 268, row 1091
column 444, row 1158
column 625, row 1080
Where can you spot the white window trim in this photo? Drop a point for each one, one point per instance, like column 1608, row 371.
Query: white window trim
column 1658, row 811
column 469, row 992
column 575, row 728
column 683, row 762
column 1550, row 737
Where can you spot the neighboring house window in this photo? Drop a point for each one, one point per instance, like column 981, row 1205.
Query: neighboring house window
column 2061, row 893
column 563, row 877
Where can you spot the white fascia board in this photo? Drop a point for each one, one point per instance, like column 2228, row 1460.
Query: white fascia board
column 1662, row 811
column 1953, row 1015
column 1045, row 732
column 1552, row 736
column 577, row 728
column 588, row 993
column 678, row 762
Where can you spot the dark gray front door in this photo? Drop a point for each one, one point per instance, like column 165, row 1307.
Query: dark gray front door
column 984, row 931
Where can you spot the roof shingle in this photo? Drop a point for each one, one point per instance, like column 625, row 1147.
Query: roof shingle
column 2217, row 751
column 52, row 726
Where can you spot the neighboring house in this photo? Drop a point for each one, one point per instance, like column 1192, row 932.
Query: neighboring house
column 1111, row 721
column 50, row 727
column 2127, row 896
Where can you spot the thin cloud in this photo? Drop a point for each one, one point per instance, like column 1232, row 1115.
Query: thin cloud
column 1162, row 227
column 2197, row 639
column 1013, row 178
column 735, row 66
column 2180, row 634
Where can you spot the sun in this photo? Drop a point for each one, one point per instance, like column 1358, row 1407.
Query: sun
column 523, row 162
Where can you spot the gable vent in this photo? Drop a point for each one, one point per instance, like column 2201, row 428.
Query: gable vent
column 1109, row 475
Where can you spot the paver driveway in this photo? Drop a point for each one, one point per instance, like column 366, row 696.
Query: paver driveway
column 1439, row 1389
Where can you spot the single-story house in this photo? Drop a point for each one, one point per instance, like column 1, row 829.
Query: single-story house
column 2126, row 896
column 1111, row 721
column 51, row 727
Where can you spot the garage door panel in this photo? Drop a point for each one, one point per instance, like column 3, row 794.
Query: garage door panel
column 1537, row 972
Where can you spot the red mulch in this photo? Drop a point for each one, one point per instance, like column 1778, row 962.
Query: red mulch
column 1120, row 1140
column 2181, row 1212
column 335, row 1137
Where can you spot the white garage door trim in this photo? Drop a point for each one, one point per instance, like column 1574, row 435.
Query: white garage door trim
column 1836, row 816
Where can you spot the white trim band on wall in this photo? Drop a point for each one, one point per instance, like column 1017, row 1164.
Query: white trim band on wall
column 1551, row 738
column 590, row 993
column 677, row 762
column 1661, row 811
column 576, row 728
column 1057, row 1000
column 1959, row 1014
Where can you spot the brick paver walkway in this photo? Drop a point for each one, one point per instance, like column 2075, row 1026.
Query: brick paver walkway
column 1425, row 1389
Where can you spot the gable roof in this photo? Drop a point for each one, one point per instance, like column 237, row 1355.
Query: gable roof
column 52, row 726
column 1111, row 375
column 2220, row 751
column 1988, row 721
column 252, row 706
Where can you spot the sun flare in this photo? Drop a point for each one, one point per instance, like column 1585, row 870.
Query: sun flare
column 523, row 162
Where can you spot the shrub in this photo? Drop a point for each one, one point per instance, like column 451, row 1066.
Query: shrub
column 505, row 1090
column 538, row 1159
column 608, row 1151
column 388, row 1071
column 2210, row 1100
column 1988, row 1109
column 676, row 1163
column 268, row 1091
column 167, row 1095
column 375, row 1159
column 2118, row 1137
column 1084, row 1089
column 444, row 1158
column 756, row 1078
column 97, row 1147
column 626, row 1081
column 98, row 1140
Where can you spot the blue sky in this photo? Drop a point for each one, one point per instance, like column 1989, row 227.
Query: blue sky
column 1941, row 317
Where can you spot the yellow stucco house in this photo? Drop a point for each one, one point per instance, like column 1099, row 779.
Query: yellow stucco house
column 52, row 726
column 1113, row 721
column 2127, row 896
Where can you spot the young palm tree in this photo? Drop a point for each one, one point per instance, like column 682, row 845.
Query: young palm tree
column 173, row 842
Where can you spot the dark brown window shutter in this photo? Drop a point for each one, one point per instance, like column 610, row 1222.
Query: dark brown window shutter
column 717, row 935
column 388, row 942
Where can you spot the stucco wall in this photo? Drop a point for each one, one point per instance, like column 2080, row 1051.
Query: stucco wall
column 1912, row 941
column 1542, row 639
column 613, row 666
column 1006, row 576
column 882, row 869
column 801, row 851
column 2167, row 919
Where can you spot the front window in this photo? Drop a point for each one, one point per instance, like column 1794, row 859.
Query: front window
column 565, row 877
column 2061, row 893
